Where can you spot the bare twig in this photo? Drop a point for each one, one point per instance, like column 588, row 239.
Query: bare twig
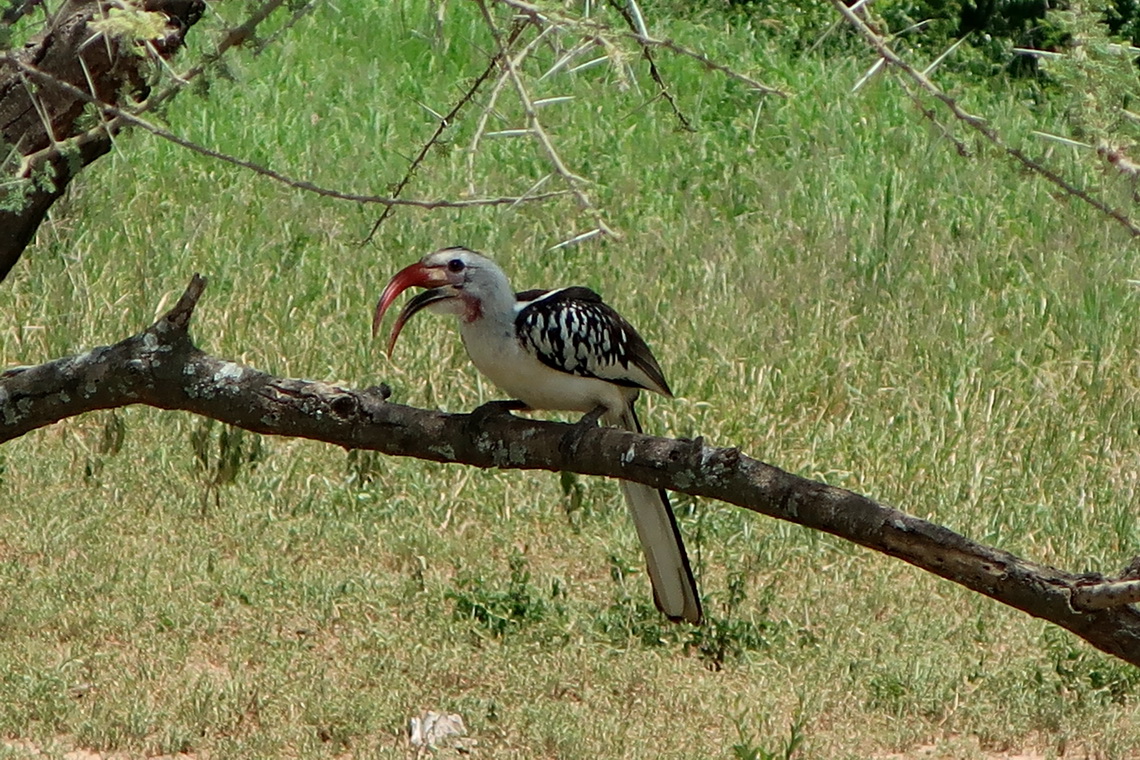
column 549, row 15
column 977, row 123
column 637, row 24
column 121, row 116
column 931, row 116
column 708, row 63
column 573, row 181
column 298, row 14
column 233, row 36
column 444, row 123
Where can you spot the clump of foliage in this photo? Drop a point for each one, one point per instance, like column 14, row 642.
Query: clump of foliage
column 993, row 29
column 505, row 610
column 727, row 635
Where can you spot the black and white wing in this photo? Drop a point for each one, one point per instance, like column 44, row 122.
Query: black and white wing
column 573, row 331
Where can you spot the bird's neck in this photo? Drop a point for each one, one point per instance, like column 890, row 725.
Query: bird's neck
column 493, row 301
column 487, row 324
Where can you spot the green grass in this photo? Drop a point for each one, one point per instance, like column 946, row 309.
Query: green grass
column 828, row 286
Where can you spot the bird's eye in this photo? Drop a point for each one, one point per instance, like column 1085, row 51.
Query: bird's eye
column 456, row 265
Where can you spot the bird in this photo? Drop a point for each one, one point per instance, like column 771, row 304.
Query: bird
column 562, row 349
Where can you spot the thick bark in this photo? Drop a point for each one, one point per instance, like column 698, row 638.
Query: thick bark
column 19, row 223
column 161, row 367
column 37, row 120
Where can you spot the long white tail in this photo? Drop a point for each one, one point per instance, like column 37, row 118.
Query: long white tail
column 674, row 590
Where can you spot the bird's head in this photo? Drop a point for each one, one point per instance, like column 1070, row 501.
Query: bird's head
column 458, row 280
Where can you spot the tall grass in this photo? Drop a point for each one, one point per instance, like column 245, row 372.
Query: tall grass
column 827, row 284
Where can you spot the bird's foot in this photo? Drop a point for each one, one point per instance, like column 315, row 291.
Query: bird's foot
column 573, row 437
column 496, row 408
column 590, row 419
column 383, row 390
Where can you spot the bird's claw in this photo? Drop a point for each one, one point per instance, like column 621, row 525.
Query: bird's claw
column 573, row 437
column 590, row 419
column 496, row 408
column 383, row 390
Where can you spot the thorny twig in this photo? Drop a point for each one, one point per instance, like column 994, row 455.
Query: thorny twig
column 546, row 15
column 115, row 118
column 235, row 35
column 444, row 123
column 708, row 63
column 647, row 52
column 120, row 117
column 573, row 181
column 977, row 123
column 489, row 107
column 298, row 14
column 931, row 116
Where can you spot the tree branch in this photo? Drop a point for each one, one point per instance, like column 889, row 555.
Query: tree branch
column 1104, row 594
column 978, row 124
column 39, row 120
column 541, row 15
column 119, row 117
column 161, row 367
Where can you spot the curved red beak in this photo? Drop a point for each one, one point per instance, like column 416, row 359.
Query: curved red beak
column 414, row 275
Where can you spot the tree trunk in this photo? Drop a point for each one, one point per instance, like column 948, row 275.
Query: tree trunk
column 40, row 124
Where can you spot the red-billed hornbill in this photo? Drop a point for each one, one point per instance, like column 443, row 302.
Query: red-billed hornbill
column 557, row 349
